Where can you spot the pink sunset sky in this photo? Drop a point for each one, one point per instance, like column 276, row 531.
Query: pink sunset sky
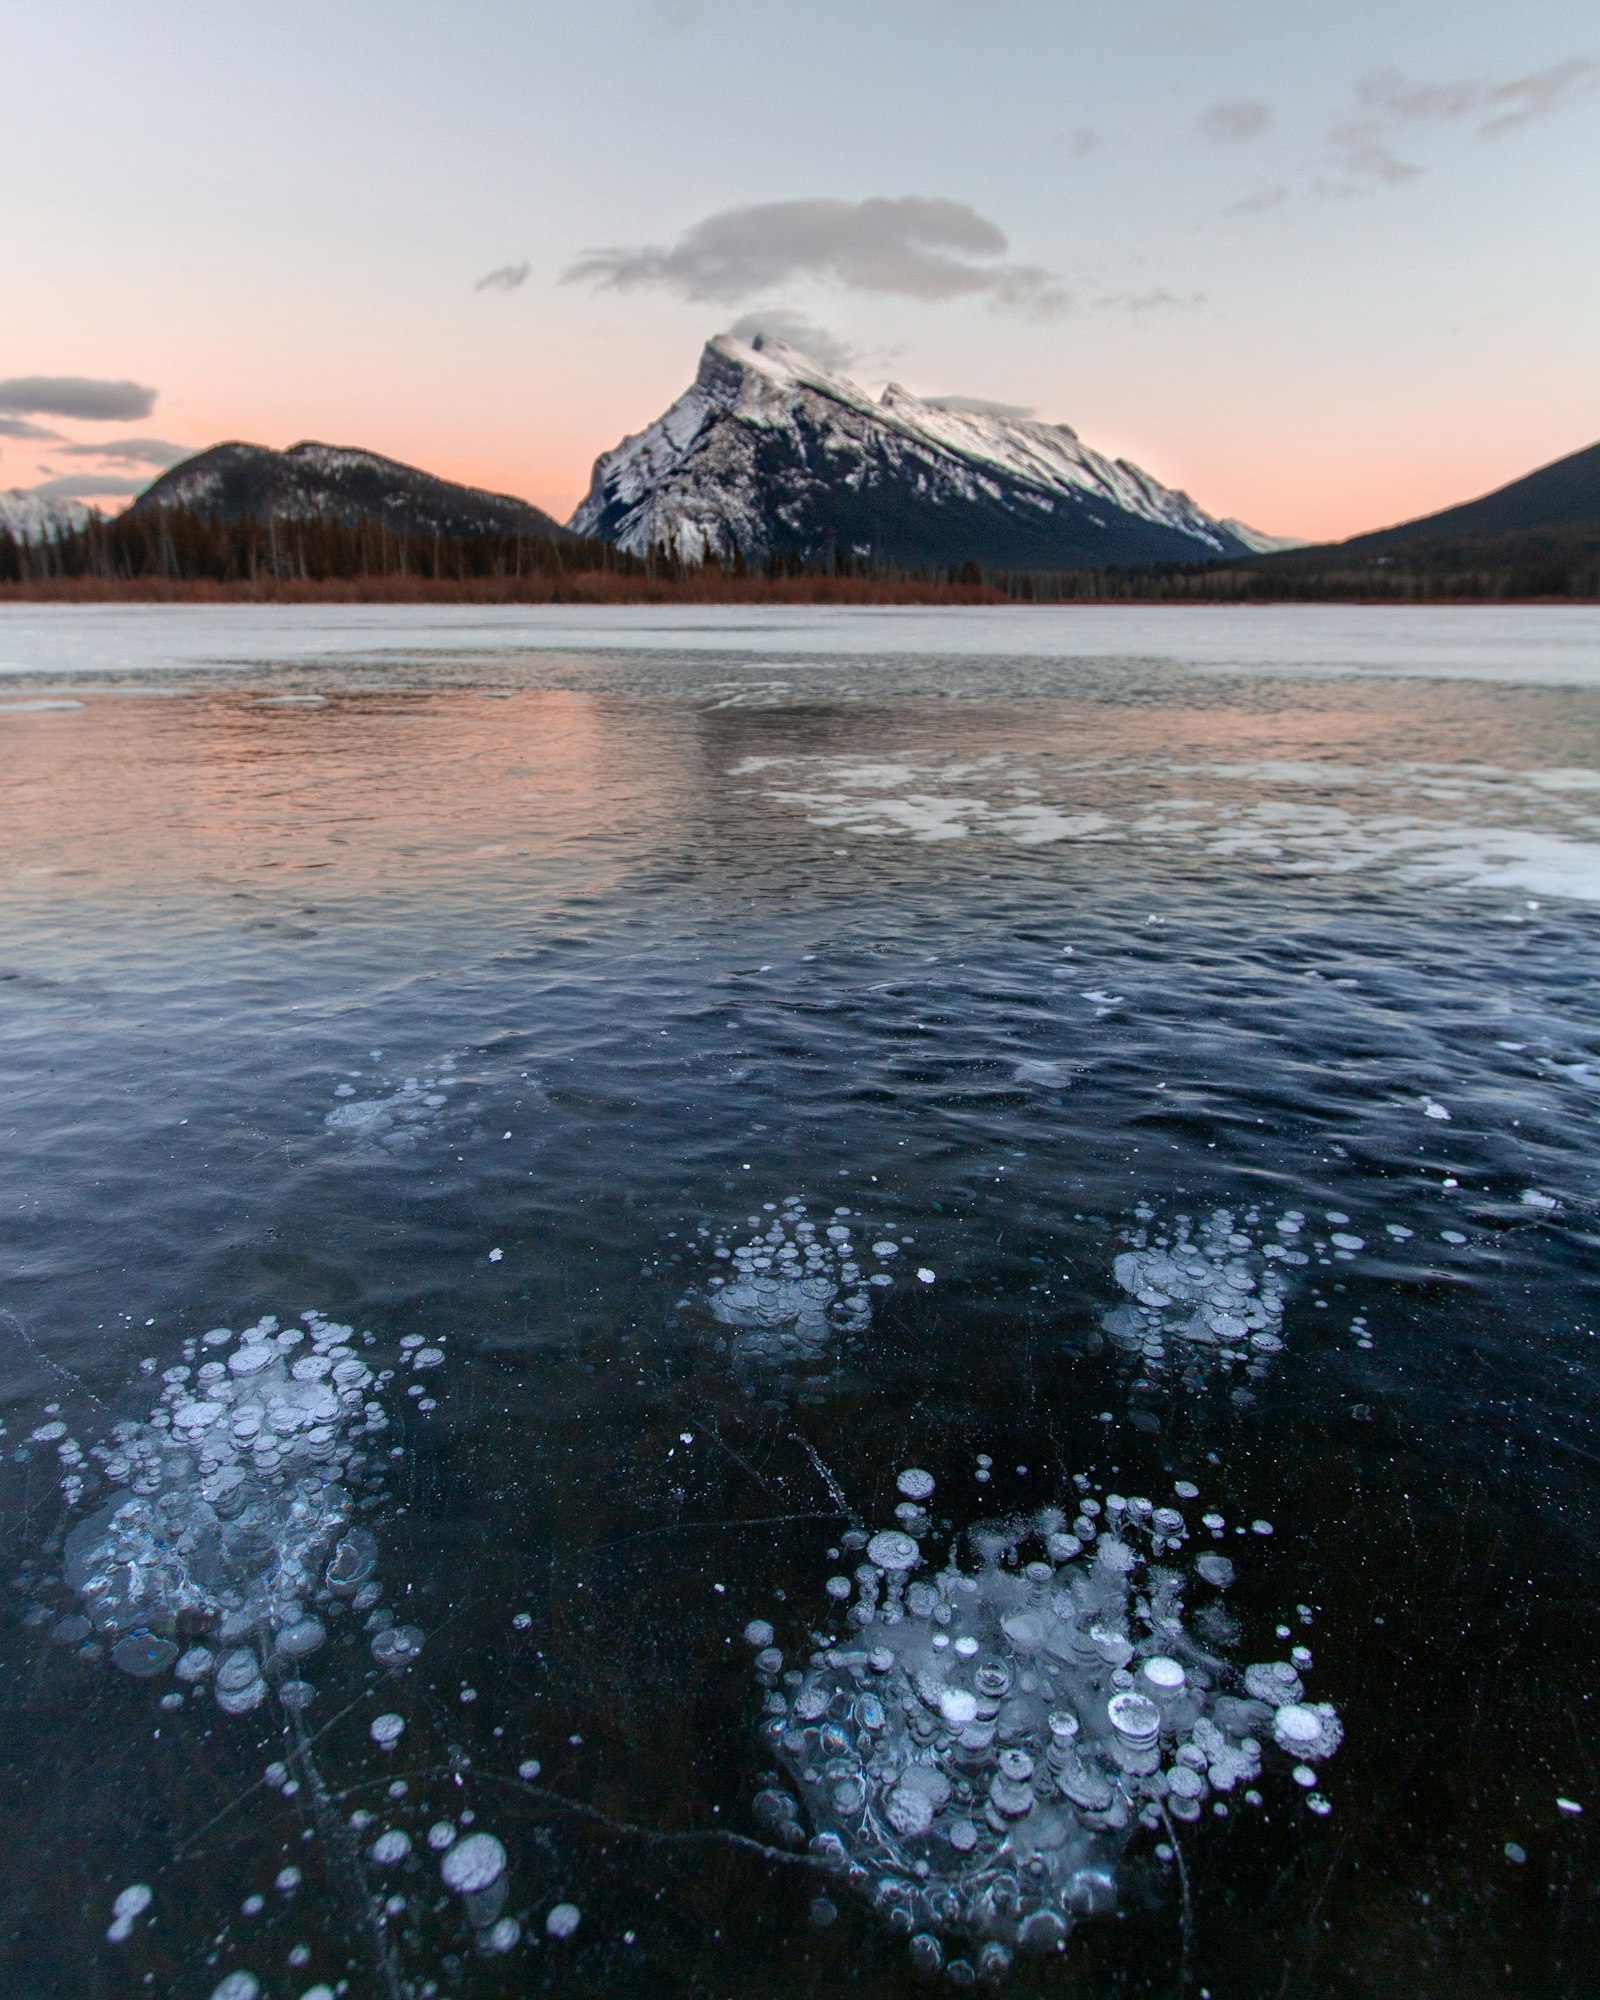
column 1322, row 273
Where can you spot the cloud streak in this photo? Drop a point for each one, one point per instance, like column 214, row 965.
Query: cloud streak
column 80, row 396
column 19, row 427
column 87, row 485
column 1233, row 123
column 1394, row 108
column 131, row 451
column 913, row 246
column 504, row 278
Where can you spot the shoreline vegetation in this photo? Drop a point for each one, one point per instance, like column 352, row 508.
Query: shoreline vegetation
column 175, row 556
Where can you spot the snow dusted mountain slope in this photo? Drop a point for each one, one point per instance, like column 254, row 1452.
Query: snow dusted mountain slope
column 1260, row 544
column 334, row 483
column 770, row 453
column 36, row 517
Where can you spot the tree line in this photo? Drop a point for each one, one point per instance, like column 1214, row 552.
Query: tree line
column 177, row 551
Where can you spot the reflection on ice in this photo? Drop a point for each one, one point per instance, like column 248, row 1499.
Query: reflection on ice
column 977, row 1753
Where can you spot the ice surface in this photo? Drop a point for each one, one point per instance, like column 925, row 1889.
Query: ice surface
column 1550, row 646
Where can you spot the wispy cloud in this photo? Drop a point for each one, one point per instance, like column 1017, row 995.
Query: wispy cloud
column 131, row 451
column 19, row 427
column 1260, row 201
column 1157, row 300
column 796, row 330
column 76, row 396
column 87, row 485
column 1395, row 110
column 1234, row 122
column 913, row 246
column 504, row 278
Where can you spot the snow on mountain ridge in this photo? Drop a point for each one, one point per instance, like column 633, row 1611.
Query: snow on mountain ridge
column 768, row 446
column 36, row 517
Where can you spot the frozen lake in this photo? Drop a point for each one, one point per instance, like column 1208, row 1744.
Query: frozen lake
column 763, row 1303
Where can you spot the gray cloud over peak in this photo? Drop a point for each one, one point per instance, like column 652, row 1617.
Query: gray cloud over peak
column 796, row 330
column 19, row 427
column 504, row 278
column 913, row 246
column 132, row 451
column 79, row 396
column 1234, row 122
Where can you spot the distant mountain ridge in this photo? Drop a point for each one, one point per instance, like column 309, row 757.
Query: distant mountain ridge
column 768, row 453
column 39, row 517
column 1564, row 494
column 336, row 483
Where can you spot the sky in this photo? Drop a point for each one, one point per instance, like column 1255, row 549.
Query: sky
column 1325, row 269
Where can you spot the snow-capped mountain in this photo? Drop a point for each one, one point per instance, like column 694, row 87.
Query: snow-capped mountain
column 771, row 453
column 37, row 517
column 333, row 483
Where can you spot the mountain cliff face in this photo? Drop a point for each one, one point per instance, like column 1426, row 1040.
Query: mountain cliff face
column 39, row 517
column 769, row 453
column 348, row 487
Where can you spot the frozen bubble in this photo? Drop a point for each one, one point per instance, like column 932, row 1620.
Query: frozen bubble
column 1515, row 1852
column 237, row 1986
column 758, row 1633
column 441, row 1835
column 287, row 1879
column 303, row 1637
column 529, row 1768
column 926, row 1276
column 1134, row 1717
column 500, row 1937
column 390, row 1847
column 915, row 1484
column 397, row 1645
column 239, row 1685
column 1341, row 1241
column 143, row 1655
column 1186, row 1489
column 387, row 1730
column 473, row 1863
column 1012, row 1743
column 892, row 1550
column 563, row 1920
column 927, row 1954
column 126, row 1910
column 1215, row 1569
